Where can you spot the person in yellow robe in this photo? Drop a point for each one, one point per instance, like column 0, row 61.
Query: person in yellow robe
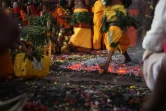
column 81, row 20
column 97, row 21
column 114, row 23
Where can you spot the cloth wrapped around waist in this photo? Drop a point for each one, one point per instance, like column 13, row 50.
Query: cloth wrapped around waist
column 81, row 16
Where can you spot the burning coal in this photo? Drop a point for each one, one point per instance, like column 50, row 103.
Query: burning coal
column 91, row 63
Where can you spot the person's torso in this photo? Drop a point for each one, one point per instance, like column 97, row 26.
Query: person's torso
column 80, row 4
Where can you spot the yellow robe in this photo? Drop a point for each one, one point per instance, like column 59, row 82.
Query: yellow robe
column 118, row 37
column 6, row 66
column 82, row 36
column 98, row 10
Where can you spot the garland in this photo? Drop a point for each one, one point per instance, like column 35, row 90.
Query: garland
column 81, row 17
column 126, row 20
column 122, row 21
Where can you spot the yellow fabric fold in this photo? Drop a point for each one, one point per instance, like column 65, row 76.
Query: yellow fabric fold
column 98, row 10
column 110, row 12
column 117, row 36
column 81, row 38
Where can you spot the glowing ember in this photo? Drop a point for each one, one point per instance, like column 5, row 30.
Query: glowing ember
column 92, row 62
column 119, row 70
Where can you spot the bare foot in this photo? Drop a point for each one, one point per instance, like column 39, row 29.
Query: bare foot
column 65, row 50
column 127, row 60
column 103, row 69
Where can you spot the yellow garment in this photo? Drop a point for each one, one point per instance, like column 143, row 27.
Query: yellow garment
column 81, row 36
column 80, row 10
column 97, row 20
column 26, row 69
column 111, row 14
column 98, row 10
column 47, row 50
column 6, row 66
column 117, row 36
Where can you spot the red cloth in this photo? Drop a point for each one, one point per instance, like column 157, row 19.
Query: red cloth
column 17, row 10
column 33, row 9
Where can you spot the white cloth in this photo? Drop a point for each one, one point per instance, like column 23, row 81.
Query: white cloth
column 154, row 42
column 155, row 38
column 151, row 68
column 15, row 5
column 38, row 65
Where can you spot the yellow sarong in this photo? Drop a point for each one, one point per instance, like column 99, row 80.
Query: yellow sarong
column 6, row 66
column 82, row 36
column 98, row 10
column 119, row 37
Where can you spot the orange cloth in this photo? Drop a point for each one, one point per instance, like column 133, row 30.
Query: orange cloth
column 6, row 66
column 131, row 31
column 8, row 11
column 23, row 17
column 117, row 36
column 97, row 20
column 60, row 12
column 133, row 12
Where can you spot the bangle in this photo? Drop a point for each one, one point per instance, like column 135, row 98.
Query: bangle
column 20, row 47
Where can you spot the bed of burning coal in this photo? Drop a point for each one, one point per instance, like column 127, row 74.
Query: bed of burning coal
column 91, row 62
column 83, row 89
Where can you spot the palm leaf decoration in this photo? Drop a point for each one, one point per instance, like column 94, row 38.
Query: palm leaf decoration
column 81, row 17
column 126, row 20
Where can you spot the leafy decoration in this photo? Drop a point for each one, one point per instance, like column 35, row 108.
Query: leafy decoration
column 37, row 20
column 81, row 17
column 126, row 20
column 36, row 35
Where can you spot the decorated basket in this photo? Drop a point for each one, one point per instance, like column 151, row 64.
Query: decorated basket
column 31, row 69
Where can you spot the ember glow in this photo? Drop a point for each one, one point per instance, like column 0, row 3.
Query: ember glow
column 92, row 62
column 112, row 69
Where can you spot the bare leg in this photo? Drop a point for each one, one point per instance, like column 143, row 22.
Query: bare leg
column 127, row 57
column 158, row 95
column 105, row 67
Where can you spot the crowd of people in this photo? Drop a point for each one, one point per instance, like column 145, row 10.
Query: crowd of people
column 95, row 24
column 80, row 23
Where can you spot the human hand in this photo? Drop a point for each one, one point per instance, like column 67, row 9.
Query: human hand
column 28, row 52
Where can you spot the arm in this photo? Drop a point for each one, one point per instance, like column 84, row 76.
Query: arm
column 155, row 38
column 23, row 48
